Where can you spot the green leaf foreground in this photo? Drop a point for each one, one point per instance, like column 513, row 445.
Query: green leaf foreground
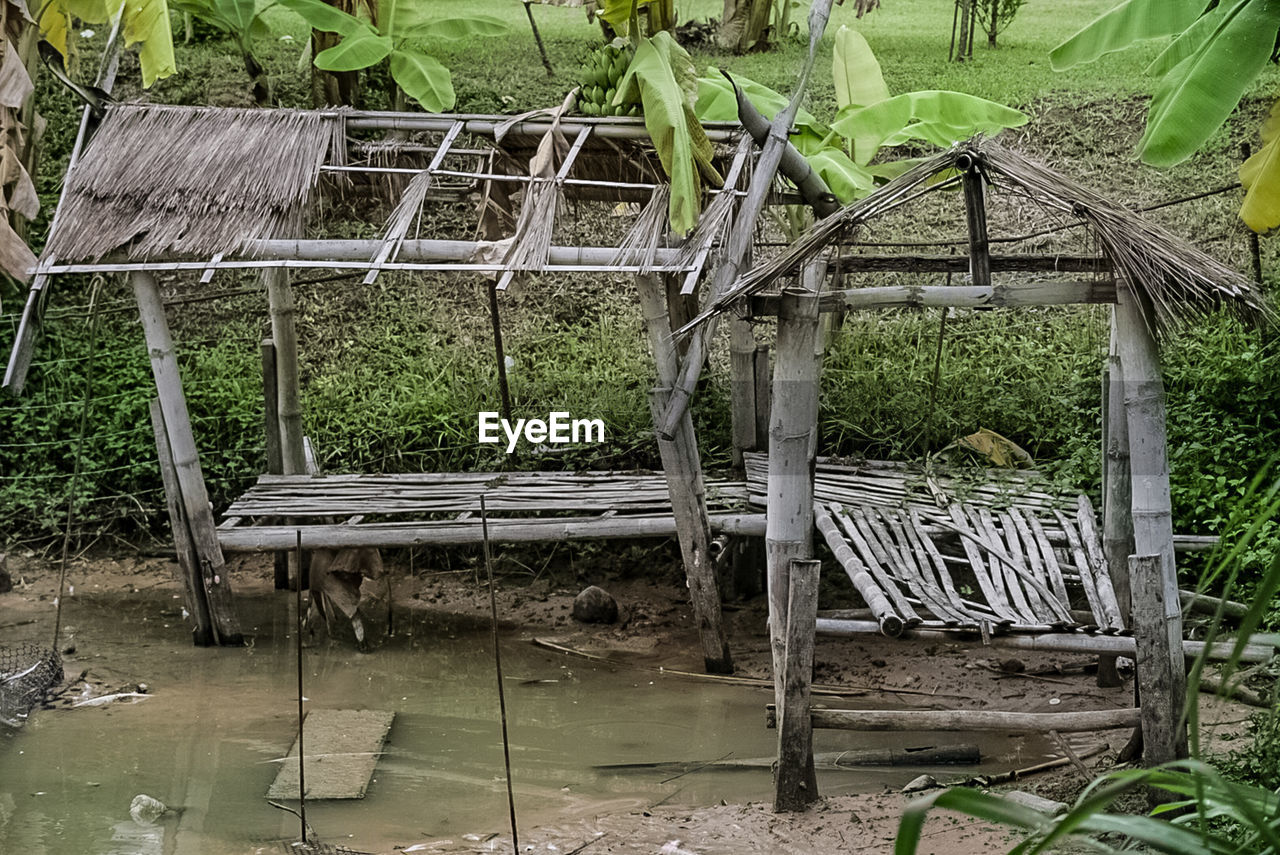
column 1216, row 816
column 1217, row 52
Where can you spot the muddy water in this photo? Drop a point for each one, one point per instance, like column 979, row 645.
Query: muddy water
column 209, row 738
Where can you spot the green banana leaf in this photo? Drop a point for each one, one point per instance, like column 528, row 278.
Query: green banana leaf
column 457, row 29
column 661, row 76
column 322, row 16
column 360, row 49
column 617, row 13
column 856, row 72
column 1187, row 43
column 1120, row 27
column 935, row 116
column 424, row 79
column 846, row 179
column 716, row 103
column 1197, row 95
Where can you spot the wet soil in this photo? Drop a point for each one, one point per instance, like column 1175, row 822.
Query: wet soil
column 655, row 631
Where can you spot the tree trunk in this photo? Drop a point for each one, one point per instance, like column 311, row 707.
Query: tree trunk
column 744, row 25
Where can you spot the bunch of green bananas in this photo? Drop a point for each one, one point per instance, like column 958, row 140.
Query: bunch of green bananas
column 600, row 76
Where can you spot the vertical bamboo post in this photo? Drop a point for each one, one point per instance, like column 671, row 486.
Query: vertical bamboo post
column 792, row 431
column 271, row 426
column 742, row 389
column 975, row 209
column 1158, row 679
column 683, row 469
column 746, row 555
column 1117, row 522
column 214, row 579
column 1152, row 520
column 285, row 335
column 797, row 782
column 764, row 388
column 188, row 563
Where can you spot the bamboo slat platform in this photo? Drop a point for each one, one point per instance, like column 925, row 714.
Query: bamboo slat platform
column 444, row 508
column 938, row 551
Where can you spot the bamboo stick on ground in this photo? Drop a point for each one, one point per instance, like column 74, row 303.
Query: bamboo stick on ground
column 863, row 582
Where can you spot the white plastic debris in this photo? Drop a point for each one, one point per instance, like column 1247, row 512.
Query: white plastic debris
column 145, row 810
column 672, row 847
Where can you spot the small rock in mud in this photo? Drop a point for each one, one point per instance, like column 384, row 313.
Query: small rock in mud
column 924, row 782
column 595, row 605
column 1012, row 666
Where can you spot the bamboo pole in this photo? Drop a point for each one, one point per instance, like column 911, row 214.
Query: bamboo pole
column 792, row 432
column 284, row 334
column 968, row 720
column 796, row 784
column 685, row 485
column 877, row 603
column 1117, row 522
column 975, row 210
column 275, row 462
column 214, row 580
column 1008, row 295
column 740, row 235
column 188, row 563
column 1151, row 507
column 269, row 538
column 742, row 389
column 1048, row 642
column 1157, row 678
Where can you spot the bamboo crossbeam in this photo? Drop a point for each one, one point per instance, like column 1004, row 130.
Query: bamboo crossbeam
column 1026, row 263
column 387, row 535
column 1048, row 642
column 968, row 720
column 617, row 128
column 1010, row 295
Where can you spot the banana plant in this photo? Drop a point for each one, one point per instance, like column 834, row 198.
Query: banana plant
column 661, row 77
column 1216, row 53
column 145, row 24
column 868, row 120
column 397, row 34
column 241, row 21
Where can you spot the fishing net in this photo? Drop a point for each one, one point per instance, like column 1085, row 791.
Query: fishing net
column 27, row 673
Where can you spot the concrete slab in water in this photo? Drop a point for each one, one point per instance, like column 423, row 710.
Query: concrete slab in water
column 342, row 750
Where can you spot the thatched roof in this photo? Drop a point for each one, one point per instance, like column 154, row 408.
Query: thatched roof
column 1180, row 281
column 160, row 180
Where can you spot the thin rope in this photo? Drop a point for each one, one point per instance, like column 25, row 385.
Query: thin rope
column 497, row 666
column 79, row 456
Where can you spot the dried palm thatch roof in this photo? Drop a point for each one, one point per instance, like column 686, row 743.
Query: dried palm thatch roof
column 161, row 180
column 1180, row 282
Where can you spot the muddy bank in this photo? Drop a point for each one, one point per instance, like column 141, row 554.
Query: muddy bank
column 558, row 810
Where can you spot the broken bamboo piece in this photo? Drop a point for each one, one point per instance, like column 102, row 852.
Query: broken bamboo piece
column 796, row 784
column 685, row 486
column 213, row 578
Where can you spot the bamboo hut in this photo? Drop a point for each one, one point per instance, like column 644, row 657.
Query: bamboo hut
column 194, row 191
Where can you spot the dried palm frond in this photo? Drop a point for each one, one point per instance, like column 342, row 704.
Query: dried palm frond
column 160, row 180
column 532, row 244
column 1179, row 282
column 712, row 229
column 640, row 246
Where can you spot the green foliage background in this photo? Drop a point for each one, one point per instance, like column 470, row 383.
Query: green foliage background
column 394, row 375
